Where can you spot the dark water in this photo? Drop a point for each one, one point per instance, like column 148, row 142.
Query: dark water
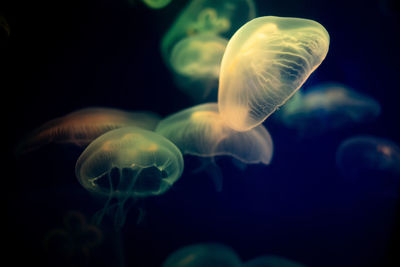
column 63, row 56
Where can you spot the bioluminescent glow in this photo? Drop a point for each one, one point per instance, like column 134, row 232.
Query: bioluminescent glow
column 83, row 126
column 265, row 62
column 156, row 4
column 327, row 106
column 128, row 163
column 271, row 261
column 204, row 254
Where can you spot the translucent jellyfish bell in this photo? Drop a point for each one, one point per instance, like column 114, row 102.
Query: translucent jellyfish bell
column 271, row 261
column 83, row 126
column 327, row 106
column 196, row 61
column 156, row 4
column 201, row 131
column 365, row 155
column 128, row 163
column 204, row 254
column 265, row 62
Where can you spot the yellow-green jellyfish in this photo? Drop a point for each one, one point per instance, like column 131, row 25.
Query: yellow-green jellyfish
column 325, row 107
column 128, row 163
column 83, row 126
column 265, row 63
column 271, row 261
column 196, row 62
column 156, row 4
column 201, row 131
column 203, row 254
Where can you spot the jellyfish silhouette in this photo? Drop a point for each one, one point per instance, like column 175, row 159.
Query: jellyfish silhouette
column 265, row 62
column 368, row 155
column 207, row 18
column 126, row 164
column 201, row 131
column 196, row 62
column 156, row 4
column 83, row 126
column 203, row 254
column 326, row 107
column 271, row 261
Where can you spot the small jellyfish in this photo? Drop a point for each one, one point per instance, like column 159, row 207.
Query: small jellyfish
column 203, row 254
column 83, row 126
column 271, row 261
column 221, row 18
column 367, row 155
column 201, row 131
column 196, row 62
column 265, row 62
column 327, row 106
column 156, row 4
column 128, row 163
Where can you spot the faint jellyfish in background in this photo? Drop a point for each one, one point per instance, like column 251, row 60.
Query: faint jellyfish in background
column 271, row 261
column 74, row 243
column 265, row 62
column 371, row 160
column 218, row 18
column 326, row 107
column 83, row 126
column 4, row 25
column 156, row 4
column 203, row 254
column 196, row 62
column 127, row 164
column 200, row 131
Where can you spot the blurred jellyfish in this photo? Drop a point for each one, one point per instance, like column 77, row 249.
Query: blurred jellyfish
column 271, row 261
column 4, row 25
column 265, row 62
column 84, row 125
column 200, row 131
column 367, row 155
column 156, row 4
column 196, row 62
column 327, row 106
column 204, row 254
column 128, row 163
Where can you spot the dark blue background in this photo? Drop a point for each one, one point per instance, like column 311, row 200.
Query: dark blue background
column 66, row 55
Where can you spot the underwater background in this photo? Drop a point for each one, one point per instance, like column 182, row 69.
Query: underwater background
column 57, row 57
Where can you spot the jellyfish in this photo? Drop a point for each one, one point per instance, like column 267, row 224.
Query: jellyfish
column 327, row 106
column 83, row 126
column 221, row 18
column 201, row 131
column 265, row 62
column 128, row 163
column 271, row 261
column 196, row 62
column 156, row 4
column 367, row 155
column 203, row 254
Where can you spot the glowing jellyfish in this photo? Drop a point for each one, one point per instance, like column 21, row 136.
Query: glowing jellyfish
column 265, row 62
column 156, row 4
column 271, row 261
column 201, row 131
column 204, row 254
column 196, row 61
column 221, row 18
column 327, row 106
column 128, row 163
column 362, row 156
column 84, row 125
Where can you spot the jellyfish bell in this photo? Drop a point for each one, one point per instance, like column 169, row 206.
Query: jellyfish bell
column 83, row 126
column 201, row 131
column 327, row 106
column 203, row 254
column 265, row 62
column 128, row 163
column 220, row 18
column 196, row 61
column 271, row 261
column 156, row 4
